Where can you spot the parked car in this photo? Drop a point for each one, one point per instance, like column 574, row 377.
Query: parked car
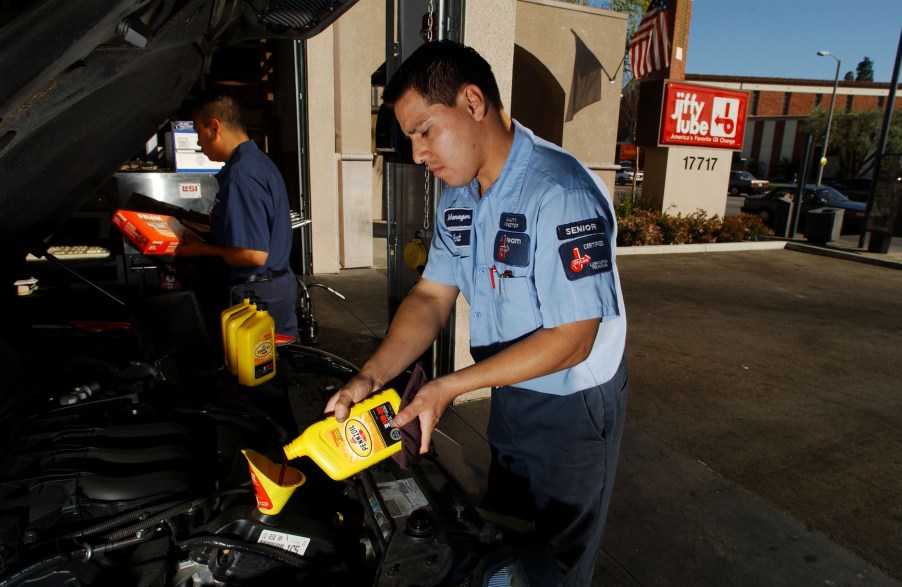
column 626, row 174
column 768, row 206
column 743, row 182
column 856, row 188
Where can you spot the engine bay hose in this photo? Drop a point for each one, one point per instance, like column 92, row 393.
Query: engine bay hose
column 270, row 552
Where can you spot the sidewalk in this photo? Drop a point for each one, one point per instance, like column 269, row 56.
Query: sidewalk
column 845, row 248
column 762, row 444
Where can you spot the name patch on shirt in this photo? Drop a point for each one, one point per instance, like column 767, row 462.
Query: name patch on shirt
column 585, row 256
column 458, row 218
column 512, row 248
column 511, row 221
column 461, row 238
column 581, row 228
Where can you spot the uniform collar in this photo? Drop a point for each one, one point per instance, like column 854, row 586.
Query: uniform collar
column 510, row 182
column 242, row 149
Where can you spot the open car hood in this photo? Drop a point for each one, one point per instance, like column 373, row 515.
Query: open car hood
column 84, row 84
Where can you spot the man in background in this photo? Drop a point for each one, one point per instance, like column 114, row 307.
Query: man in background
column 250, row 222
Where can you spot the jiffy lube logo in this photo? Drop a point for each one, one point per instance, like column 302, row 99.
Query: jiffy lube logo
column 579, row 261
column 703, row 116
column 687, row 113
column 358, row 437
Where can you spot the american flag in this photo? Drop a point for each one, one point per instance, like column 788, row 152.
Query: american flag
column 649, row 49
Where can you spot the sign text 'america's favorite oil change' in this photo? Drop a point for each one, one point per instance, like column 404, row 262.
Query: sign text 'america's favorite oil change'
column 344, row 448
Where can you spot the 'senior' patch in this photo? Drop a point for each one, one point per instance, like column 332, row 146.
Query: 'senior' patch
column 589, row 255
column 580, row 228
column 512, row 248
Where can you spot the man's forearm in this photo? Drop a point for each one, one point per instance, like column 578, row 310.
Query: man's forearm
column 234, row 256
column 546, row 351
column 415, row 326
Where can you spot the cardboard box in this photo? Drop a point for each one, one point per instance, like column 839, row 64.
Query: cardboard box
column 152, row 234
column 182, row 149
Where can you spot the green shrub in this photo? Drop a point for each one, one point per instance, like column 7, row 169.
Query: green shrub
column 637, row 227
column 744, row 227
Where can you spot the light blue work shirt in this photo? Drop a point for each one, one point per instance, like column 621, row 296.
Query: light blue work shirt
column 535, row 251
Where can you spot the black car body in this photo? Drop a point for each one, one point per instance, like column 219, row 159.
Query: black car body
column 855, row 188
column 121, row 434
column 776, row 203
column 743, row 182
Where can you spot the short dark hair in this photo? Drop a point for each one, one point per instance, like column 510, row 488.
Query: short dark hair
column 437, row 70
column 220, row 104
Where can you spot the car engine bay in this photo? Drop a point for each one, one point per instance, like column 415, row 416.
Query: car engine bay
column 123, row 466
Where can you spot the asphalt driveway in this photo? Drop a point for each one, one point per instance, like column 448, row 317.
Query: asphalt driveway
column 763, row 444
column 777, row 371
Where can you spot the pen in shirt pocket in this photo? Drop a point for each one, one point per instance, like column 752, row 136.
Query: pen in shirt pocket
column 502, row 276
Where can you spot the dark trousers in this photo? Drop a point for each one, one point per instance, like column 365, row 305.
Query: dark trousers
column 280, row 295
column 553, row 463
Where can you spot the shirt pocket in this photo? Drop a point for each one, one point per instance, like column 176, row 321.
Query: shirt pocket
column 518, row 311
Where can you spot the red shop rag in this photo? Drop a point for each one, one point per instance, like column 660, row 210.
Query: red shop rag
column 410, row 432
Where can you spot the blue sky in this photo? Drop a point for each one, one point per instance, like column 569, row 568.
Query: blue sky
column 781, row 38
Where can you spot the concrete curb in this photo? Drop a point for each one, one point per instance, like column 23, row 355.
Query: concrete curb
column 848, row 255
column 701, row 248
column 890, row 262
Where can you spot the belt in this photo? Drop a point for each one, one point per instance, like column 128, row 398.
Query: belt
column 258, row 277
column 481, row 353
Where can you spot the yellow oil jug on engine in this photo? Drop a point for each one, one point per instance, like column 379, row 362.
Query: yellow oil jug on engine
column 223, row 321
column 344, row 448
column 230, row 341
column 255, row 347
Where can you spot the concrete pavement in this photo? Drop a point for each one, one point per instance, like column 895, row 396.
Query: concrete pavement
column 762, row 443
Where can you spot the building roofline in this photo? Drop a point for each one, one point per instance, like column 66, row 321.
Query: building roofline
column 704, row 77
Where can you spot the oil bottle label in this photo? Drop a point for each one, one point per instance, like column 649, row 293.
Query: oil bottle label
column 383, row 415
column 264, row 357
column 364, row 435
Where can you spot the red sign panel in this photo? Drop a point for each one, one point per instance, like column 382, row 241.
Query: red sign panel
column 702, row 116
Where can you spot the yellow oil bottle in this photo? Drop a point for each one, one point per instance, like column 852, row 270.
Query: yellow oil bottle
column 223, row 320
column 229, row 343
column 232, row 309
column 344, row 448
column 255, row 347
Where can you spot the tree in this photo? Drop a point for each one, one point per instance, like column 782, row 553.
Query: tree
column 849, row 76
column 865, row 70
column 635, row 10
column 854, row 138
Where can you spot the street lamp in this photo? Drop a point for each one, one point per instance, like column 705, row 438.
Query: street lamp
column 820, row 169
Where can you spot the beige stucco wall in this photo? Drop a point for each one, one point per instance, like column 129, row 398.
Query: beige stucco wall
column 359, row 51
column 341, row 60
column 545, row 29
column 489, row 27
column 321, row 72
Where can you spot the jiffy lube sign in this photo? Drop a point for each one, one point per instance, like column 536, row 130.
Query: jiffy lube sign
column 701, row 116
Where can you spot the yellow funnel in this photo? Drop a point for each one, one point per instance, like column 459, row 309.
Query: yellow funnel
column 273, row 483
